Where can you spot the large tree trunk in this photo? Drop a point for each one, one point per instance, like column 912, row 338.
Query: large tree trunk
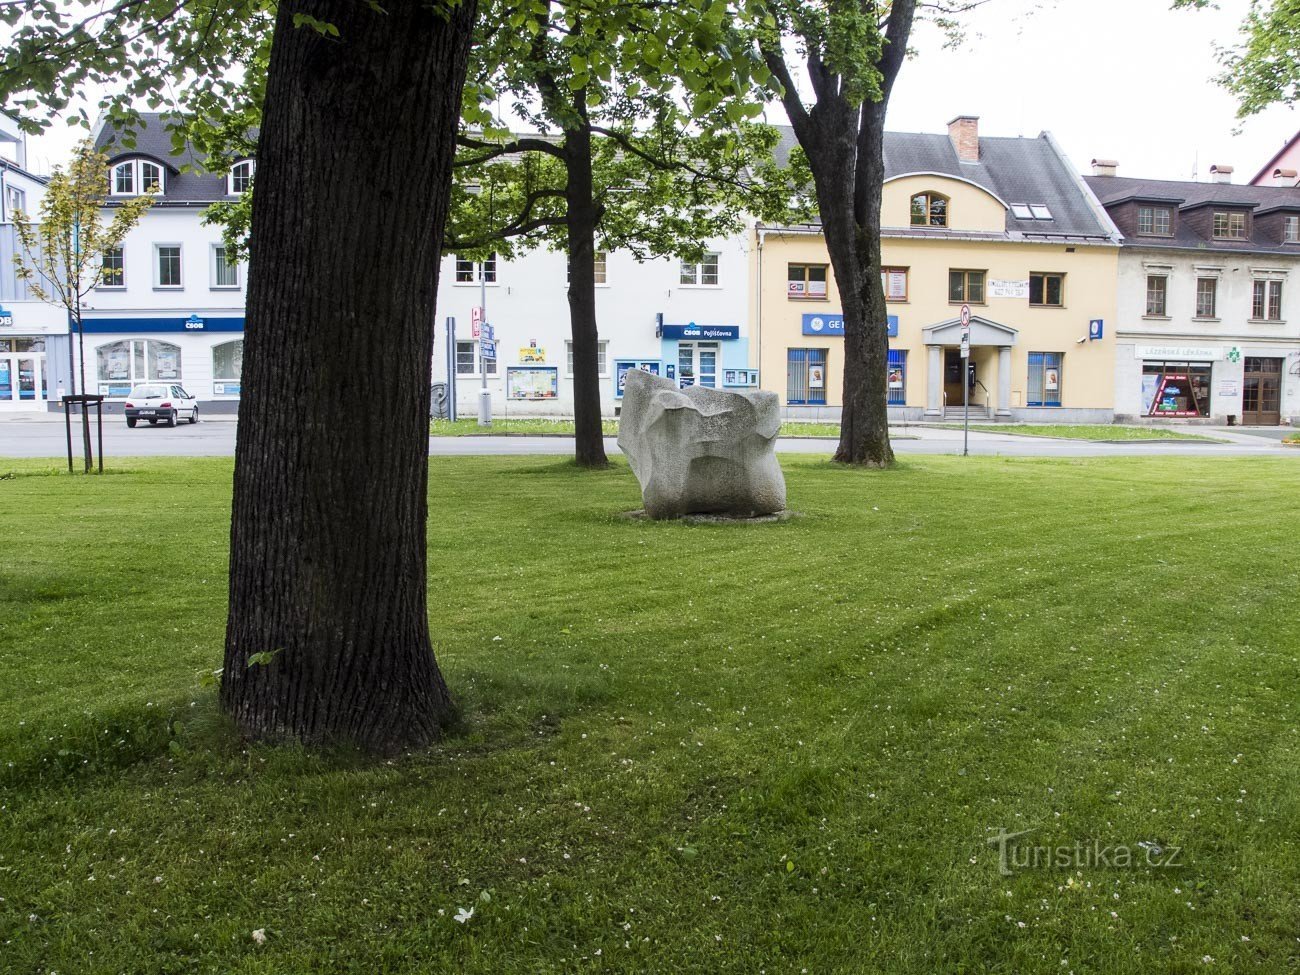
column 589, row 445
column 328, row 634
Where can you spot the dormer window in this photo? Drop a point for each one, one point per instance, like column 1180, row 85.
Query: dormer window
column 136, row 176
column 1291, row 229
column 929, row 210
column 1154, row 221
column 241, row 177
column 1230, row 224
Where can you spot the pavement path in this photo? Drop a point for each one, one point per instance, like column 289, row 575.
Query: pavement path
column 37, row 435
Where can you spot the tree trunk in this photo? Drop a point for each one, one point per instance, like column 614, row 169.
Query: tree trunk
column 589, row 441
column 328, row 634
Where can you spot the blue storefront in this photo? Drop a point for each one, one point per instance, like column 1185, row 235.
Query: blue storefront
column 716, row 356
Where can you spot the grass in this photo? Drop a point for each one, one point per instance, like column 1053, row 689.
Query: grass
column 1085, row 431
column 721, row 749
column 541, row 427
column 1292, row 438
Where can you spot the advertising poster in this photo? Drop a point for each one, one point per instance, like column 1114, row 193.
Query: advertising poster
column 532, row 354
column 1052, row 379
column 816, row 377
column 895, row 377
column 532, row 382
column 622, row 367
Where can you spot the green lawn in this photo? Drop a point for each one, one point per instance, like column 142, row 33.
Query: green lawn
column 535, row 427
column 1083, row 431
column 717, row 749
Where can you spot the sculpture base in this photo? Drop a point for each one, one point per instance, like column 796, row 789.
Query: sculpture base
column 716, row 518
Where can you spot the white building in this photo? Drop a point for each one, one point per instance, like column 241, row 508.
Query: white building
column 171, row 307
column 33, row 334
column 1208, row 298
column 683, row 320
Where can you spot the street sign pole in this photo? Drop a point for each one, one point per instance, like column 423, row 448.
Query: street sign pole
column 451, row 369
column 965, row 380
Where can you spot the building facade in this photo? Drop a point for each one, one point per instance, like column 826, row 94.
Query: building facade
column 170, row 307
column 1209, row 299
column 1002, row 226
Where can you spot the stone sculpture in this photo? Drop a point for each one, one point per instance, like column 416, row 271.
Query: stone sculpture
column 701, row 451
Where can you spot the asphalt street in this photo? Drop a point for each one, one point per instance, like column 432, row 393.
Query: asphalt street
column 27, row 435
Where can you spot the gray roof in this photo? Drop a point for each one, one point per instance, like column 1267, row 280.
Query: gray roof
column 1016, row 170
column 153, row 139
column 1187, row 195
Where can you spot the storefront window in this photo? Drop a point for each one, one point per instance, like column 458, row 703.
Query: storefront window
column 805, row 377
column 119, row 364
column 1176, row 388
column 228, row 361
column 1044, row 379
column 897, row 377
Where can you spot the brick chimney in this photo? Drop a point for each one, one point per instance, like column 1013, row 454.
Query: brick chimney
column 1221, row 174
column 1285, row 177
column 964, row 131
column 1104, row 167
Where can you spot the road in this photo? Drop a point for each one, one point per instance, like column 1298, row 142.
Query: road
column 40, row 436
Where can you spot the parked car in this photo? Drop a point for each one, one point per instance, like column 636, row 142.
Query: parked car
column 160, row 401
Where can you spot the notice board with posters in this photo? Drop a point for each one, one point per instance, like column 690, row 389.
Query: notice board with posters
column 532, row 382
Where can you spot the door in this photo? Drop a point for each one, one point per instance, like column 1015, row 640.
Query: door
column 22, row 382
column 1261, row 392
column 697, row 364
column 952, row 371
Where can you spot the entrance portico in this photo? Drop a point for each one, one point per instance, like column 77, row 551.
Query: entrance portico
column 986, row 338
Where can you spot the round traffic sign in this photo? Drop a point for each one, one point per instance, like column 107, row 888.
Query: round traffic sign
column 965, row 316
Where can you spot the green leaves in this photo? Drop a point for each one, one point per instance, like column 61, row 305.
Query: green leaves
column 319, row 26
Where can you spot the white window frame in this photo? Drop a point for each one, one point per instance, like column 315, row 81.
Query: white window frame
column 602, row 360
column 15, row 201
column 492, row 373
column 157, row 267
column 135, row 167
column 101, row 286
column 1291, row 228
column 235, row 173
column 476, row 268
column 692, row 273
column 156, row 175
column 214, row 266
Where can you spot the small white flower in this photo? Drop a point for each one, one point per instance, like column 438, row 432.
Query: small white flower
column 462, row 915
column 259, row 936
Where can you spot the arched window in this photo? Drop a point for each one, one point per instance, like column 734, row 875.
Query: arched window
column 929, row 210
column 150, row 177
column 124, row 179
column 227, row 367
column 136, row 176
column 241, row 177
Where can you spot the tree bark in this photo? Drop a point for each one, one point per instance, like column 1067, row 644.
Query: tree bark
column 328, row 633
column 580, row 225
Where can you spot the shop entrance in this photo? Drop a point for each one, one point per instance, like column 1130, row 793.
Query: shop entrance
column 697, row 364
column 22, row 381
column 1261, row 392
column 952, row 370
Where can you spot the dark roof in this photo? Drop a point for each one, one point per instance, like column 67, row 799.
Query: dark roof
column 1018, row 171
column 153, row 139
column 1189, row 195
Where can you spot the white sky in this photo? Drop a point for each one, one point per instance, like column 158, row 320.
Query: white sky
column 1120, row 79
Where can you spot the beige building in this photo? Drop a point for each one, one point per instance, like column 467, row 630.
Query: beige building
column 1003, row 226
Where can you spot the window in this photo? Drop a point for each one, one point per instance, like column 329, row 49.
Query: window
column 929, row 210
column 967, row 286
column 1291, row 229
column 15, row 202
column 1230, row 224
column 167, row 263
column 1154, row 221
column 1021, row 211
column 228, row 362
column 1266, row 302
column 897, row 377
column 241, row 177
column 1044, row 379
column 112, row 269
column 601, row 347
column 1176, row 388
column 1156, row 288
column 806, row 281
column 805, row 377
column 225, row 273
column 465, row 365
column 150, row 177
column 121, row 364
column 894, row 282
column 123, row 179
column 1046, row 289
column 1040, row 211
column 703, row 273
column 471, row 272
column 1207, row 293
column 136, row 176
column 600, row 264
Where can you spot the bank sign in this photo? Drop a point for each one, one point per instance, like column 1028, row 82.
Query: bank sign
column 821, row 324
column 6, row 318
column 706, row 332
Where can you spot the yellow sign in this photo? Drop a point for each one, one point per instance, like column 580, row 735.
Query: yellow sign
column 532, row 353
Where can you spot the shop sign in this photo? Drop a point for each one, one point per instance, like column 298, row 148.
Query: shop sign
column 1234, row 354
column 1008, row 289
column 623, row 366
column 6, row 318
column 1096, row 329
column 693, row 331
column 225, row 389
column 532, row 354
column 822, row 324
column 128, row 326
column 1181, row 353
column 194, row 324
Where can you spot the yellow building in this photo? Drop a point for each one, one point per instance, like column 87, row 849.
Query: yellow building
column 1001, row 225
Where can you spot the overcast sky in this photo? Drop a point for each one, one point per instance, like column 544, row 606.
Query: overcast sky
column 1120, row 79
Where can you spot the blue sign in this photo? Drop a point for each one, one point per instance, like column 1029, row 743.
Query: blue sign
column 6, row 317
column 823, row 324
column 487, row 349
column 137, row 325
column 1096, row 329
column 693, row 331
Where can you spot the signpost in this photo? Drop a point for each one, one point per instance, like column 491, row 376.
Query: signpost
column 487, row 350
column 965, row 380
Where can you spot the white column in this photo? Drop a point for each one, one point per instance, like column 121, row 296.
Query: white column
column 1004, row 381
column 934, row 380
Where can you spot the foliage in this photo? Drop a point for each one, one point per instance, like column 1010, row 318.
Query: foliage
column 646, row 751
column 62, row 254
column 1264, row 69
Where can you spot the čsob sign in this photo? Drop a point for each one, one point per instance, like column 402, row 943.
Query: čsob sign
column 693, row 331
